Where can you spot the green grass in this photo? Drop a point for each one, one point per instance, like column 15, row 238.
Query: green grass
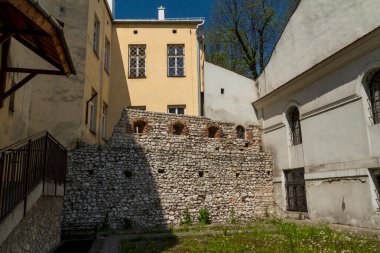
column 273, row 236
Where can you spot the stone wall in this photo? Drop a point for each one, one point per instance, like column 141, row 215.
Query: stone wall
column 152, row 177
column 39, row 231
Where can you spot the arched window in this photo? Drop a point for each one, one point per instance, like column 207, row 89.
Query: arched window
column 374, row 92
column 213, row 132
column 178, row 129
column 295, row 125
column 139, row 127
column 240, row 132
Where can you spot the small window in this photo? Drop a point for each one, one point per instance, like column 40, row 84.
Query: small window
column 178, row 129
column 91, row 111
column 96, row 35
column 140, row 127
column 375, row 175
column 295, row 125
column 104, row 121
column 176, row 60
column 137, row 61
column 222, row 91
column 141, row 108
column 177, row 109
column 240, row 132
column 174, row 31
column 374, row 91
column 107, row 56
column 213, row 132
column 135, row 32
column 295, row 190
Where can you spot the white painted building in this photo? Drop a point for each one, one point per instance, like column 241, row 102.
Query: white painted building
column 319, row 103
column 228, row 96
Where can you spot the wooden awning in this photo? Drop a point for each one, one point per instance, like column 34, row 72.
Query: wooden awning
column 32, row 25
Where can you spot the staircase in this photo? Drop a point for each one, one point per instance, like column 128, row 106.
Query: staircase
column 29, row 169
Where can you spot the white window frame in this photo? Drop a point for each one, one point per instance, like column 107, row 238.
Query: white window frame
column 176, row 56
column 96, row 35
column 92, row 112
column 176, row 107
column 139, row 57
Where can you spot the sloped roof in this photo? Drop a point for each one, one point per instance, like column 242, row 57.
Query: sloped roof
column 316, row 31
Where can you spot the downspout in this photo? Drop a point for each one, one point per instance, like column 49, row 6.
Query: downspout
column 199, row 32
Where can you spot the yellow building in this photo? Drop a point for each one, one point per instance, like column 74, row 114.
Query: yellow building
column 157, row 65
column 72, row 109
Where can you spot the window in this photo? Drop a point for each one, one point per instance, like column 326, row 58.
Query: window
column 176, row 60
column 104, row 120
column 375, row 175
column 137, row 61
column 295, row 190
column 178, row 129
column 96, row 35
column 240, row 132
column 140, row 127
column 374, row 91
column 107, row 56
column 214, row 132
column 176, row 109
column 295, row 125
column 91, row 111
column 141, row 108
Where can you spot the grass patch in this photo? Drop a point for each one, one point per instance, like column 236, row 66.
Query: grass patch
column 271, row 236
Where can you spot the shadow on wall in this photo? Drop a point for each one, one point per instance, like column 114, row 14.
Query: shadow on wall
column 115, row 187
column 120, row 91
column 157, row 167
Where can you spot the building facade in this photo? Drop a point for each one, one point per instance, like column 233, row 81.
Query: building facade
column 74, row 108
column 228, row 96
column 157, row 65
column 320, row 113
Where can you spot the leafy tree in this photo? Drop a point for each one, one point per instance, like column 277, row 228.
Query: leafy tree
column 243, row 33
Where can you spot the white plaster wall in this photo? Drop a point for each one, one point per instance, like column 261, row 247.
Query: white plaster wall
column 235, row 105
column 337, row 134
column 317, row 30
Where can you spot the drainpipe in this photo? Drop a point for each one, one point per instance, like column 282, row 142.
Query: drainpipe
column 199, row 32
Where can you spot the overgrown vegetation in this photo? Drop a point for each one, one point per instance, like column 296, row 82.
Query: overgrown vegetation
column 204, row 217
column 186, row 218
column 270, row 235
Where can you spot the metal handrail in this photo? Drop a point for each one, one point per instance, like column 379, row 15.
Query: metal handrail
column 27, row 163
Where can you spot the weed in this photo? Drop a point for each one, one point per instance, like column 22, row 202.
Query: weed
column 204, row 216
column 186, row 218
column 233, row 219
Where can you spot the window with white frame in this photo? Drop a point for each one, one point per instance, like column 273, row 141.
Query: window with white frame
column 137, row 61
column 375, row 175
column 91, row 111
column 96, row 35
column 293, row 115
column 177, row 109
column 107, row 56
column 176, row 60
column 104, row 120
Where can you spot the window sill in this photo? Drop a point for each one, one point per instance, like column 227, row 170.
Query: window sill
column 136, row 77
column 176, row 76
column 93, row 132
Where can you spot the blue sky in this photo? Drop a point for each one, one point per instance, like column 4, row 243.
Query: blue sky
column 140, row 9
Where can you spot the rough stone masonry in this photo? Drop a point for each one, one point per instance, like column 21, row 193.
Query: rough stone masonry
column 157, row 165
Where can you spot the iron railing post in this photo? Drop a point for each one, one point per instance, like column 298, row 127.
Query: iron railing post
column 27, row 176
column 45, row 163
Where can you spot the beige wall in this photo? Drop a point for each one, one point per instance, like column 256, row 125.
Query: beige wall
column 96, row 78
column 14, row 125
column 157, row 90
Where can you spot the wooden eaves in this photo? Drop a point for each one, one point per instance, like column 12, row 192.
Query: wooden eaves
column 28, row 22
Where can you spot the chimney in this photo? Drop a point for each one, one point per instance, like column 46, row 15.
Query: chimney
column 161, row 13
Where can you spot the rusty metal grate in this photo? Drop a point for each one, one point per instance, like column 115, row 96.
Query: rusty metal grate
column 295, row 190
